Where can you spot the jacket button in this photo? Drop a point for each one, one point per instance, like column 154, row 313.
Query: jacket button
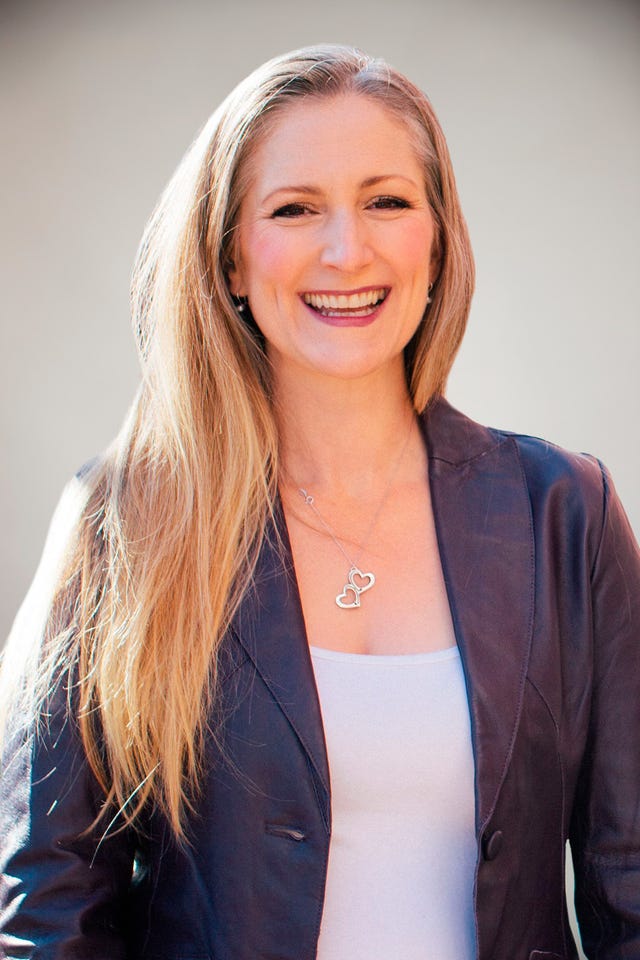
column 491, row 845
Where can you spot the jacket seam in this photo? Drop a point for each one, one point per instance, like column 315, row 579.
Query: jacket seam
column 535, row 686
column 500, row 440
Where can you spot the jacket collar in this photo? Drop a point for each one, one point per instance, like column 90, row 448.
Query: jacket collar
column 483, row 523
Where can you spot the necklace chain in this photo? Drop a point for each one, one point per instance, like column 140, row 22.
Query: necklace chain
column 308, row 499
column 358, row 581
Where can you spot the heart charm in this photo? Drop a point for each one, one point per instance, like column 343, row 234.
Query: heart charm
column 343, row 598
column 361, row 581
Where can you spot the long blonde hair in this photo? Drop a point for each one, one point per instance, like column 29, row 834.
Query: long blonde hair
column 176, row 510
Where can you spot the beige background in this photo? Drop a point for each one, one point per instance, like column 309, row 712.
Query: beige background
column 539, row 100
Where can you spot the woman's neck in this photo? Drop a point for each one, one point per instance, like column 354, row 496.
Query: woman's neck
column 341, row 435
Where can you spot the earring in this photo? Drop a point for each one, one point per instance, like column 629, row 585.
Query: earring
column 429, row 289
column 241, row 304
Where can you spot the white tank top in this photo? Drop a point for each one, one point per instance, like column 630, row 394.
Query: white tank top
column 403, row 850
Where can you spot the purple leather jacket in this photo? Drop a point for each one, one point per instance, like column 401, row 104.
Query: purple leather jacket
column 543, row 576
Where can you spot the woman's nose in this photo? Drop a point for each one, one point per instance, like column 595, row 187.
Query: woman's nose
column 346, row 244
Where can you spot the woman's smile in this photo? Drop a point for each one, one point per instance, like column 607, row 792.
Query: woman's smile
column 349, row 308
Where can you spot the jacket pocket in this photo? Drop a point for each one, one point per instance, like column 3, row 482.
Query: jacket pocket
column 286, row 831
column 545, row 955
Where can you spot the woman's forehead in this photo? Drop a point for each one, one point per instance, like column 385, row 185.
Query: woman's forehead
column 316, row 139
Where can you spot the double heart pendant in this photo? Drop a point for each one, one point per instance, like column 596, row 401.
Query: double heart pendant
column 357, row 584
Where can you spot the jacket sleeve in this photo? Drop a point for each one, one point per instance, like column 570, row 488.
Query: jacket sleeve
column 63, row 882
column 605, row 833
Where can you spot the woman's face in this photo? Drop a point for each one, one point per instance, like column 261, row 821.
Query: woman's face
column 335, row 239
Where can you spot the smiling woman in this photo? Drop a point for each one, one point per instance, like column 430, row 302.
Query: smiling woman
column 315, row 666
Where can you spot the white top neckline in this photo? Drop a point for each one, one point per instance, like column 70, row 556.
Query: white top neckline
column 385, row 659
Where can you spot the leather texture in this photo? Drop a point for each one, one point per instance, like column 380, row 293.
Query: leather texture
column 543, row 578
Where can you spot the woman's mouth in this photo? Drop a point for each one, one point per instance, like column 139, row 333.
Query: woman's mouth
column 345, row 306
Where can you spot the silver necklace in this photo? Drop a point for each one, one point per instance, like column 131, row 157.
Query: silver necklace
column 358, row 581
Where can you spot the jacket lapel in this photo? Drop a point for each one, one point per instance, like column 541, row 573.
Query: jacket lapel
column 483, row 522
column 270, row 626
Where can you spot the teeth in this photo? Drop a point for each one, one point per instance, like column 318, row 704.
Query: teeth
column 352, row 301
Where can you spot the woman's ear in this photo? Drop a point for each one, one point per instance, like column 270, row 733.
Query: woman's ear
column 234, row 273
column 435, row 263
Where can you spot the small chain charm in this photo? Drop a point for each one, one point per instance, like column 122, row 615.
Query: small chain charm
column 358, row 583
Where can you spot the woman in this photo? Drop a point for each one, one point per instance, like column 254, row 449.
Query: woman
column 328, row 668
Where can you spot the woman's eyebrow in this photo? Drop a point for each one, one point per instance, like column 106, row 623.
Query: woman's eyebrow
column 372, row 181
column 293, row 188
column 311, row 190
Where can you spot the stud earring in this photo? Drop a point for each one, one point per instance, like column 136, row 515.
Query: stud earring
column 241, row 304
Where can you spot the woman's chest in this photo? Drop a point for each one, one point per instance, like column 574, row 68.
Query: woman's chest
column 385, row 596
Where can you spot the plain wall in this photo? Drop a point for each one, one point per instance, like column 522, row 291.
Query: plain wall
column 539, row 101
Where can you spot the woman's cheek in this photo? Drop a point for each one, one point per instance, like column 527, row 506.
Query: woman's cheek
column 275, row 253
column 414, row 244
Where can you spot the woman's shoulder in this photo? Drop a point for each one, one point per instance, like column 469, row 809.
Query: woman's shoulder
column 457, row 438
column 578, row 480
column 31, row 618
column 67, row 513
column 548, row 463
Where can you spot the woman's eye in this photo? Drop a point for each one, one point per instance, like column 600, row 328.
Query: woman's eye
column 291, row 210
column 389, row 203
